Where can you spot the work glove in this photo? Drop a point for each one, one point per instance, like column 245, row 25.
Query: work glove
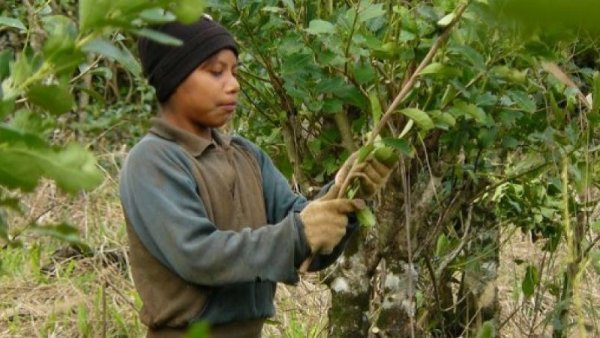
column 372, row 174
column 325, row 220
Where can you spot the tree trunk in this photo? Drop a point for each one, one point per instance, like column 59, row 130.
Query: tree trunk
column 375, row 292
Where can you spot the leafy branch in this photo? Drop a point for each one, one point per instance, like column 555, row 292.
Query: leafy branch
column 406, row 88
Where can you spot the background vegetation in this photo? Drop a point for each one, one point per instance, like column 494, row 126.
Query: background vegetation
column 489, row 226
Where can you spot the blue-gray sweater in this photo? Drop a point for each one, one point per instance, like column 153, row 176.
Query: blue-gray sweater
column 188, row 203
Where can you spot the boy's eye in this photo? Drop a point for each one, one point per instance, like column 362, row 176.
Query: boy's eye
column 216, row 72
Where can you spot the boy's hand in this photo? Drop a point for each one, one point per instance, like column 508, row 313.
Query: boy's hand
column 325, row 220
column 372, row 174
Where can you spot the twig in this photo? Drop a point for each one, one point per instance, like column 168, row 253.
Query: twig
column 436, row 292
column 407, row 217
column 449, row 258
column 104, row 321
column 555, row 70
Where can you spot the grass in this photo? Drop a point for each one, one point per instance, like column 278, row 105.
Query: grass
column 535, row 316
column 50, row 290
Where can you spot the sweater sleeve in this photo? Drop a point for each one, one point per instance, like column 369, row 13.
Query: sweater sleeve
column 160, row 200
column 281, row 201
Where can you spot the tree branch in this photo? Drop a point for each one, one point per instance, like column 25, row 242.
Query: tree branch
column 407, row 87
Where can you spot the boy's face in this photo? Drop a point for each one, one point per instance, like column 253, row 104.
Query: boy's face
column 207, row 97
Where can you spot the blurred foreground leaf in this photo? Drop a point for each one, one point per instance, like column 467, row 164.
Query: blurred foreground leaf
column 551, row 14
column 198, row 330
column 25, row 158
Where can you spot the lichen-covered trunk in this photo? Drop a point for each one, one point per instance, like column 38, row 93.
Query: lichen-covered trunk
column 350, row 289
column 379, row 291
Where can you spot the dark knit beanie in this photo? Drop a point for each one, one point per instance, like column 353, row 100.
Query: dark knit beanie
column 166, row 66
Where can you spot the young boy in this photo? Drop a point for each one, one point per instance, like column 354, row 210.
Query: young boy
column 212, row 224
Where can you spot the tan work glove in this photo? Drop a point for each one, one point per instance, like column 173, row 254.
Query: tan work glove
column 325, row 220
column 372, row 174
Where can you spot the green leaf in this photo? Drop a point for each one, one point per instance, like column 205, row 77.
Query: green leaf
column 406, row 128
column 471, row 55
column 442, row 120
column 472, row 111
column 351, row 95
column 486, row 137
column 446, row 20
column 509, row 74
column 437, row 68
column 6, row 107
column 157, row 15
column 376, row 111
column 23, row 162
column 332, row 106
column 60, row 47
column 289, row 4
column 366, row 217
column 63, row 232
column 22, row 69
column 523, row 101
column 582, row 178
column 363, row 152
column 56, row 99
column 198, row 330
column 530, row 281
column 442, row 245
column 596, row 93
column 60, row 25
column 3, row 232
column 317, row 27
column 330, row 85
column 92, row 13
column 386, row 155
column 13, row 137
column 401, row 145
column 364, row 73
column 159, row 37
column 6, row 57
column 17, row 171
column 73, row 169
column 487, row 330
column 558, row 16
column 12, row 22
column 371, row 12
column 106, row 48
column 420, row 117
column 188, row 11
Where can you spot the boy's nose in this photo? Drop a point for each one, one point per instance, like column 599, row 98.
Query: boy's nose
column 232, row 86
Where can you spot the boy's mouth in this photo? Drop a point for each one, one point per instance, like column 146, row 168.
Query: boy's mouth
column 229, row 107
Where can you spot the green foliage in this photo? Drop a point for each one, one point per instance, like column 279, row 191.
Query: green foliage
column 491, row 123
column 484, row 118
column 26, row 158
column 530, row 281
column 552, row 14
column 366, row 217
column 198, row 330
column 43, row 81
column 487, row 330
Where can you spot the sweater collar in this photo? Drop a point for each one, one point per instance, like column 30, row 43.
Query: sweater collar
column 194, row 144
